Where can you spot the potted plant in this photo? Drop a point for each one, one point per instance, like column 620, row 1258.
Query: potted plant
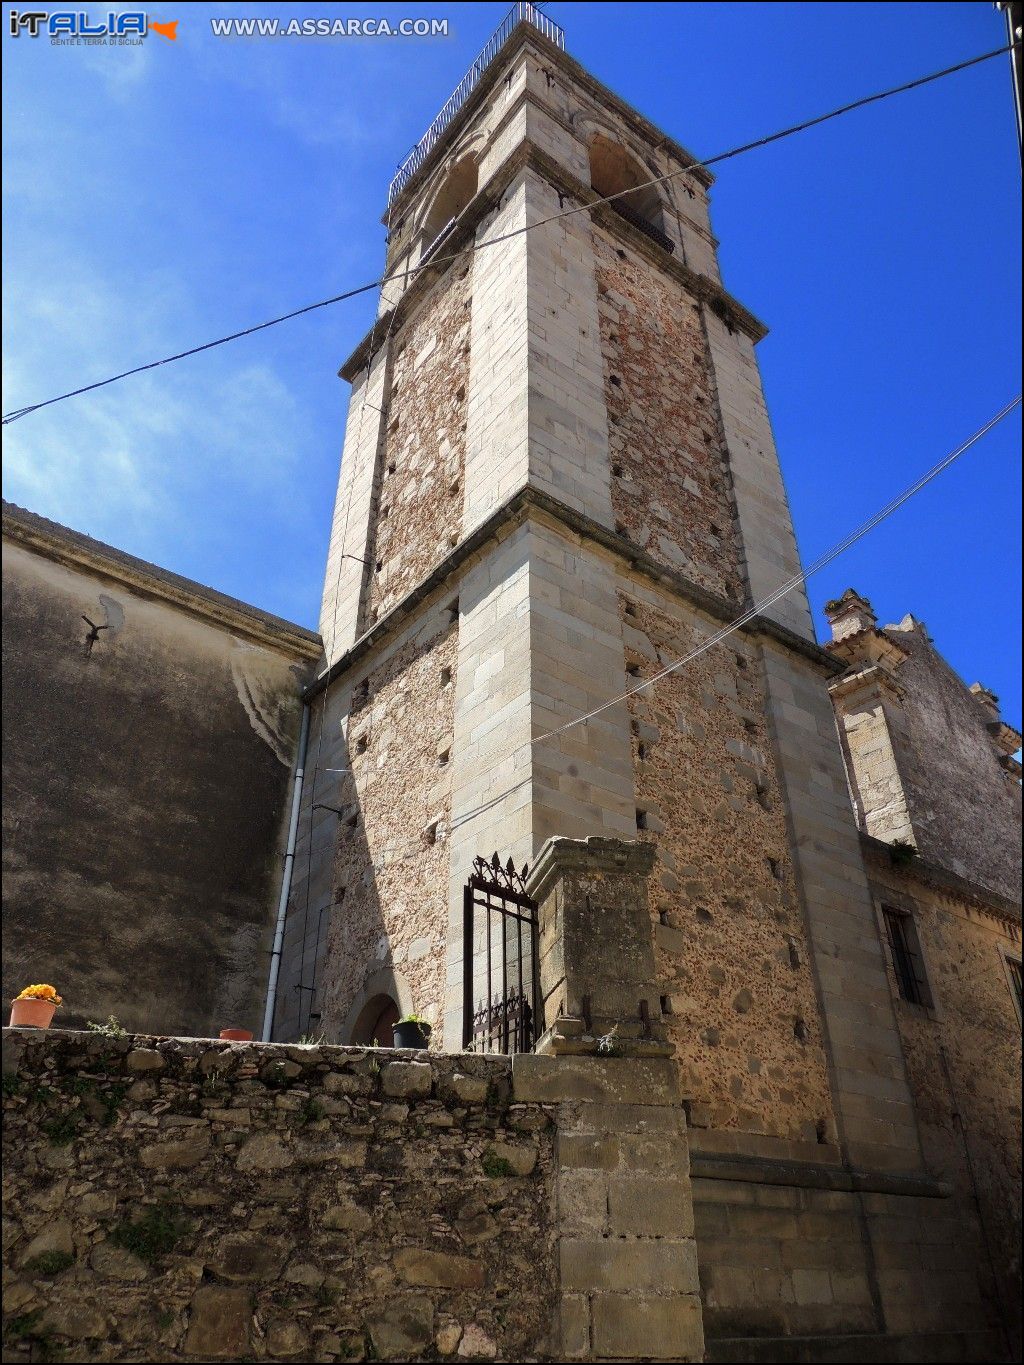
column 34, row 1007
column 412, row 1031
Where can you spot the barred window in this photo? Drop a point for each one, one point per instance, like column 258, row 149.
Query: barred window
column 1014, row 973
column 905, row 952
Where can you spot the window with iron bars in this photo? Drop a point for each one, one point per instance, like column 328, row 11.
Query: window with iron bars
column 905, row 952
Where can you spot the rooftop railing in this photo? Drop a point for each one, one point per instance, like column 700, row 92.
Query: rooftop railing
column 518, row 14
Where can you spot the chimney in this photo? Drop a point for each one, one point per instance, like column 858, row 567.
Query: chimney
column 849, row 614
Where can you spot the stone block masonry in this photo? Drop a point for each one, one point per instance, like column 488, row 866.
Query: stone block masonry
column 185, row 1199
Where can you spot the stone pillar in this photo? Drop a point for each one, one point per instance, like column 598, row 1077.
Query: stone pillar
column 623, row 1207
column 597, row 965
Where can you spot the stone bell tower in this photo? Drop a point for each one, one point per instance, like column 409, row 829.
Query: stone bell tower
column 558, row 477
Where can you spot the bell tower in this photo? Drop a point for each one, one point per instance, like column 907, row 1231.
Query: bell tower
column 559, row 477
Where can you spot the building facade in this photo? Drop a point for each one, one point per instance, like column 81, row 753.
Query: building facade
column 558, row 478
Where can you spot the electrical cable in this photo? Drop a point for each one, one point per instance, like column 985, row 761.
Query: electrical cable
column 861, row 103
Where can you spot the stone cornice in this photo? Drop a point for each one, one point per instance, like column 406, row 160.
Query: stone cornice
column 867, row 676
column 532, row 502
column 523, row 35
column 595, row 855
column 920, row 869
column 75, row 550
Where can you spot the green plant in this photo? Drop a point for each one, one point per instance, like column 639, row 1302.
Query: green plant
column 496, row 1166
column 165, row 1319
column 112, row 1100
column 152, row 1235
column 113, row 1028
column 51, row 1262
column 311, row 1111
column 312, row 1040
column 20, row 1328
column 901, row 853
column 414, row 1019
column 62, row 1130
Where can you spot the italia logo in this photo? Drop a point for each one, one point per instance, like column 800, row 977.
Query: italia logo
column 77, row 24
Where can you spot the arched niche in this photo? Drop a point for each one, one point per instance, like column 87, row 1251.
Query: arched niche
column 456, row 190
column 613, row 170
column 375, row 1022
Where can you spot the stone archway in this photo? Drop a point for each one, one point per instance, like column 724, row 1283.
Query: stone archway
column 375, row 1023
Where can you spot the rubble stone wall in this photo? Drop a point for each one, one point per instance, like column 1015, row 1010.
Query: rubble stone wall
column 728, row 927
column 176, row 1200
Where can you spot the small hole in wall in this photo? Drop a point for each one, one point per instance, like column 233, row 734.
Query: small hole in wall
column 339, row 895
column 614, row 379
column 362, row 744
column 460, row 393
column 663, row 917
column 392, row 467
column 641, row 819
column 373, row 616
column 705, row 916
column 353, row 821
column 430, row 834
column 443, row 757
column 393, row 427
column 454, row 486
column 446, row 676
column 716, row 531
column 453, row 612
column 361, row 693
column 633, row 670
column 620, row 253
column 379, row 565
column 741, row 663
column 764, row 799
column 385, row 512
column 800, row 1030
column 750, row 727
column 821, row 1131
column 666, row 1004
column 641, row 751
column 617, row 471
column 620, row 528
column 775, row 867
column 630, row 609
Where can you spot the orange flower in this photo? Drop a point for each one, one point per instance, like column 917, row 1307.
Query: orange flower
column 40, row 992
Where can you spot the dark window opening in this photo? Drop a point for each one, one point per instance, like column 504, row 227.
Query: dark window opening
column 905, row 954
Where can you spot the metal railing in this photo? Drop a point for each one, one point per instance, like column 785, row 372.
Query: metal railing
column 518, row 14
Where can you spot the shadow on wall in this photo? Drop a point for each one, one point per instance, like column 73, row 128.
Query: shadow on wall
column 367, row 928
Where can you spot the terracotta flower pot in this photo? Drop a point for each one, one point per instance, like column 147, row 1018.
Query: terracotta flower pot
column 236, row 1035
column 31, row 1013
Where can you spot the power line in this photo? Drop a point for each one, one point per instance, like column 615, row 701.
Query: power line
column 862, row 103
column 758, row 608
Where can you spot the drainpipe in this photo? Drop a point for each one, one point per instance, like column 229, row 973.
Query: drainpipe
column 286, row 878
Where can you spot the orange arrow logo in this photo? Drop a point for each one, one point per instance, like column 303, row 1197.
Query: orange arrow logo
column 169, row 31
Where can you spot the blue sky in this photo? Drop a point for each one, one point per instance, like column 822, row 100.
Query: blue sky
column 155, row 197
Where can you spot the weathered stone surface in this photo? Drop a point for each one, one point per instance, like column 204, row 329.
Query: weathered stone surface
column 436, row 1268
column 219, row 1321
column 401, row 1328
column 520, row 1157
column 286, row 1338
column 244, row 1259
column 348, row 1217
column 476, row 1344
column 144, row 1059
column 305, row 1274
column 176, row 1156
column 406, row 1079
column 628, row 1328
column 114, row 1263
column 75, row 1319
column 468, row 1089
column 264, row 1152
column 447, row 1338
column 56, row 1237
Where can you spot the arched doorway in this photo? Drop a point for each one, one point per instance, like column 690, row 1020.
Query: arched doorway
column 376, row 1022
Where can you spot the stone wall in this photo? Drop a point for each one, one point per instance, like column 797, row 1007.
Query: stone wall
column 176, row 1200
column 669, row 491
column 963, row 1053
column 146, row 776
column 387, row 928
column 171, row 1200
column 421, row 463
column 729, row 930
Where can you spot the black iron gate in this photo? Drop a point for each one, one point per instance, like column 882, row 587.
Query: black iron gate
column 500, row 972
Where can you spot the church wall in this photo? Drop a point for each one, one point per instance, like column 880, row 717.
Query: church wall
column 963, row 1055
column 728, row 926
column 668, row 485
column 146, row 788
column 419, row 491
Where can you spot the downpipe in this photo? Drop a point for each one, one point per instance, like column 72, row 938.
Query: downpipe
column 286, row 877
